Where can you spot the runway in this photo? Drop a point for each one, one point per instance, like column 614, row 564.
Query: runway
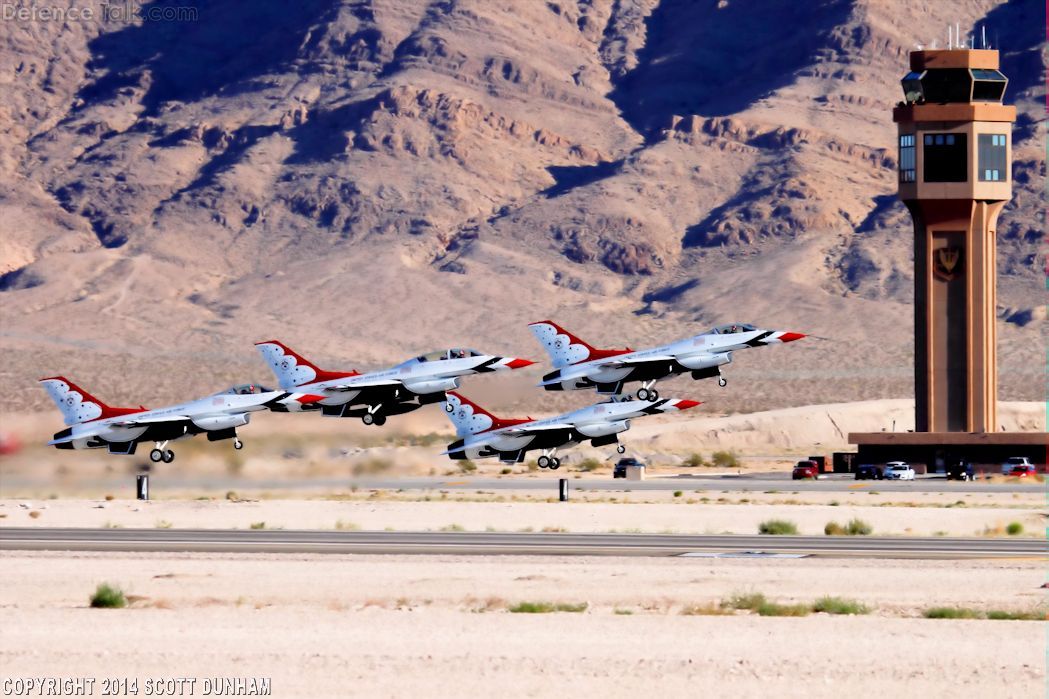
column 498, row 543
column 161, row 483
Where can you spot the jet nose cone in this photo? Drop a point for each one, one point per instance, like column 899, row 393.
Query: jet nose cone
column 686, row 404
column 790, row 337
column 518, row 363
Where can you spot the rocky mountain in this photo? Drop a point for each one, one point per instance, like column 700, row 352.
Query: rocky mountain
column 369, row 179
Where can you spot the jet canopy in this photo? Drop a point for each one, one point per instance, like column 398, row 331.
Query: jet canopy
column 440, row 355
column 245, row 389
column 732, row 328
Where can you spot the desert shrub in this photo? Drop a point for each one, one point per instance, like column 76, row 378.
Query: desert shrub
column 777, row 526
column 678, row 493
column 724, row 459
column 453, row 528
column 343, row 525
column 776, row 609
column 744, row 600
column 258, row 525
column 857, row 527
column 546, row 607
column 1000, row 615
column 232, row 496
column 838, row 605
column 1014, row 529
column 951, row 613
column 834, row 529
column 108, row 596
column 467, row 466
column 162, row 524
column 506, row 471
column 589, row 465
column 694, row 460
column 622, row 612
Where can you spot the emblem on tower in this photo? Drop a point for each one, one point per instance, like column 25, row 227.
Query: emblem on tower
column 948, row 263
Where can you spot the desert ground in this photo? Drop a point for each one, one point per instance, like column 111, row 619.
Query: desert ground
column 325, row 626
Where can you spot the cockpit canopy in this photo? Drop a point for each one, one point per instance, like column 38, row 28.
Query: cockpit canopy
column 246, row 389
column 732, row 328
column 454, row 353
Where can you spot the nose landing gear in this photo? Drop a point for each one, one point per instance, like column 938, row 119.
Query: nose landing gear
column 237, row 444
column 621, row 449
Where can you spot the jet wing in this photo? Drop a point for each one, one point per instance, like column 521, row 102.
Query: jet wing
column 528, row 429
column 155, row 420
column 341, row 388
column 634, row 361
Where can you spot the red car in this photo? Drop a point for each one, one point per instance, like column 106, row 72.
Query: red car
column 1023, row 471
column 805, row 469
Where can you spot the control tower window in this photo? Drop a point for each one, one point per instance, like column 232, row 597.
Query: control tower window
column 988, row 85
column 907, row 160
column 991, row 157
column 945, row 157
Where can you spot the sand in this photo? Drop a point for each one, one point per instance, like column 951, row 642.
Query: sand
column 325, row 626
column 898, row 517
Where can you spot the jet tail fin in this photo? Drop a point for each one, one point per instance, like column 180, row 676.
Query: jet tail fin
column 565, row 348
column 77, row 405
column 470, row 418
column 292, row 369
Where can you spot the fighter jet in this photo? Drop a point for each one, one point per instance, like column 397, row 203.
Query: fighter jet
column 578, row 365
column 92, row 424
column 378, row 394
column 482, row 434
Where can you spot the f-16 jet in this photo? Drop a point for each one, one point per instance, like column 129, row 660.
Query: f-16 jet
column 91, row 424
column 378, row 394
column 579, row 365
column 482, row 434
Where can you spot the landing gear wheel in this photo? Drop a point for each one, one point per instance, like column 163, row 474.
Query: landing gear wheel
column 653, row 395
column 380, row 420
column 237, row 444
column 555, row 463
column 642, row 394
column 544, row 462
column 722, row 381
column 621, row 449
column 168, row 456
column 368, row 419
column 156, row 455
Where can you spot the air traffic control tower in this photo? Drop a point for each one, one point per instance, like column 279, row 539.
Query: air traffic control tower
column 954, row 138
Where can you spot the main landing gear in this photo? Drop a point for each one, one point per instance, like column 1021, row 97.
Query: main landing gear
column 648, row 391
column 549, row 461
column 373, row 416
column 162, row 454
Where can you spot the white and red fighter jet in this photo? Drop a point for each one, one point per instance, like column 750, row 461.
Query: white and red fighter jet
column 482, row 434
column 580, row 366
column 378, row 394
column 92, row 424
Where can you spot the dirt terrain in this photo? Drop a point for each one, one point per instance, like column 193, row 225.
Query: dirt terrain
column 371, row 180
column 325, row 626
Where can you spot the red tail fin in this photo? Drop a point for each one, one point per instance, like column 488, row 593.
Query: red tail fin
column 292, row 369
column 77, row 405
column 470, row 418
column 565, row 348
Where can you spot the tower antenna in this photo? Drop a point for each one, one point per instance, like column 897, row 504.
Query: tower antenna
column 983, row 36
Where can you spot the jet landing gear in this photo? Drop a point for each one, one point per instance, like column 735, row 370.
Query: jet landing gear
column 648, row 391
column 237, row 444
column 722, row 381
column 160, row 453
column 621, row 449
column 374, row 417
column 549, row 461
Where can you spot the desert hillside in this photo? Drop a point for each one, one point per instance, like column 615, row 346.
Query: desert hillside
column 369, row 180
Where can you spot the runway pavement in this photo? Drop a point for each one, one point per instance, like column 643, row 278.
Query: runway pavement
column 161, row 483
column 498, row 543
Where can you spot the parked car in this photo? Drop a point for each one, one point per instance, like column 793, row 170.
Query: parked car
column 868, row 472
column 1014, row 461
column 805, row 469
column 1023, row 471
column 621, row 466
column 960, row 471
column 898, row 471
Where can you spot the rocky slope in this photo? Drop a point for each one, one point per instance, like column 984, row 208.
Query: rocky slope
column 369, row 179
